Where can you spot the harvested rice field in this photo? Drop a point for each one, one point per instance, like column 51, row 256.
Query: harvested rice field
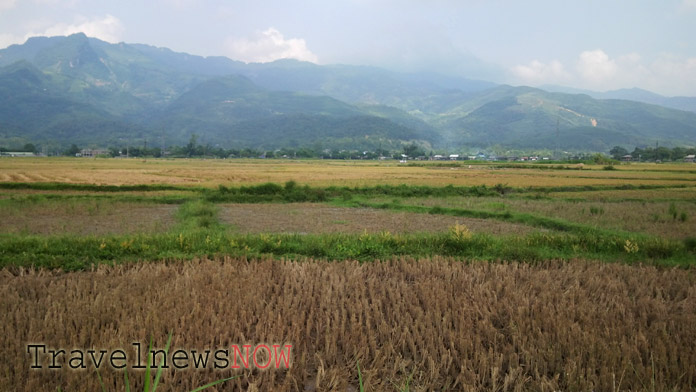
column 687, row 193
column 211, row 173
column 92, row 217
column 434, row 324
column 23, row 193
column 306, row 218
column 673, row 219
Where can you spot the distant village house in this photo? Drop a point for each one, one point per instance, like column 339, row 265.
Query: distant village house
column 93, row 152
column 17, row 154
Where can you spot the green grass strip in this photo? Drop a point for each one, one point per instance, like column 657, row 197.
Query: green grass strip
column 505, row 216
column 62, row 186
column 38, row 198
column 76, row 253
column 292, row 192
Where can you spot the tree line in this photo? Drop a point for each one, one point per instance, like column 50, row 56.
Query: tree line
column 649, row 154
column 412, row 150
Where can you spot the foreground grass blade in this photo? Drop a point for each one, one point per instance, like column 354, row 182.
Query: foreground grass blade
column 147, row 368
column 159, row 370
column 362, row 389
column 125, row 377
column 101, row 383
column 213, row 384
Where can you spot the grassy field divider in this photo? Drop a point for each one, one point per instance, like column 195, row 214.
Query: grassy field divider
column 64, row 186
column 506, row 216
column 293, row 192
column 77, row 253
column 654, row 246
column 266, row 193
column 38, row 198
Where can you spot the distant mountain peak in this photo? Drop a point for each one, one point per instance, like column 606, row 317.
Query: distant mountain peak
column 83, row 90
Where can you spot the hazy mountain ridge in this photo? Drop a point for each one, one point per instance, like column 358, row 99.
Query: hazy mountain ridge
column 529, row 117
column 30, row 107
column 632, row 94
column 83, row 90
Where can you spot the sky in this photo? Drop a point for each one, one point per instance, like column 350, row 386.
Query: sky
column 595, row 45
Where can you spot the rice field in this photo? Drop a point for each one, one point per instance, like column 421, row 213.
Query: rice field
column 382, row 276
column 211, row 173
column 686, row 193
column 306, row 218
column 431, row 324
column 84, row 217
column 669, row 219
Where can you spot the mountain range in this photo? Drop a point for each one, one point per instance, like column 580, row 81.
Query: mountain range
column 76, row 89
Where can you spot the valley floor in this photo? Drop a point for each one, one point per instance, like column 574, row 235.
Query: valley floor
column 400, row 277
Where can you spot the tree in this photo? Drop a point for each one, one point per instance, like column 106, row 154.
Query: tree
column 618, row 152
column 601, row 159
column 663, row 154
column 191, row 146
column 30, row 148
column 72, row 151
column 678, row 153
column 413, row 150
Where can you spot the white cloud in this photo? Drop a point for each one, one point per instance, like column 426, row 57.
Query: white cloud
column 109, row 28
column 9, row 39
column 63, row 3
column 596, row 67
column 537, row 72
column 7, row 4
column 10, row 4
column 596, row 70
column 689, row 4
column 179, row 3
column 677, row 75
column 268, row 46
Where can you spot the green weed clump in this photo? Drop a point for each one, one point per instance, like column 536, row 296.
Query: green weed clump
column 266, row 193
column 502, row 189
column 407, row 191
column 672, row 211
column 690, row 244
column 460, row 232
column 196, row 215
column 630, row 247
column 675, row 214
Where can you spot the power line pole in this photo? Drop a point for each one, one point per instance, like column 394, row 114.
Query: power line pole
column 558, row 138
